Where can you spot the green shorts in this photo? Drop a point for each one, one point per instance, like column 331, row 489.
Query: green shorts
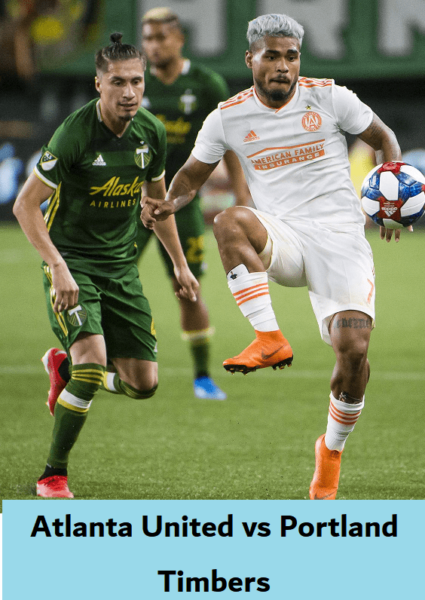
column 114, row 308
column 191, row 229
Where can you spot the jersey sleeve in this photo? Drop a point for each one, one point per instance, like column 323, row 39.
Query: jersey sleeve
column 58, row 156
column 353, row 116
column 210, row 144
column 157, row 166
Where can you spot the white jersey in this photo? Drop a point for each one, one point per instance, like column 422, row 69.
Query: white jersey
column 295, row 159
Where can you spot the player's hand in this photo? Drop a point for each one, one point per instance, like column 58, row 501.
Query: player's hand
column 66, row 289
column 387, row 234
column 189, row 284
column 155, row 210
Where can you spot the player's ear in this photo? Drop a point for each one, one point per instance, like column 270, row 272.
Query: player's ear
column 248, row 59
column 97, row 83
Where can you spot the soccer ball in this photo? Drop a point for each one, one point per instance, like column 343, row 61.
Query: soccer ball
column 393, row 195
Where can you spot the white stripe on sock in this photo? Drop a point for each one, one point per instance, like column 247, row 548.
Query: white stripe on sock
column 74, row 400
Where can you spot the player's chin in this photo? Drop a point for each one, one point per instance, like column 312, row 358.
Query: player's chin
column 127, row 116
column 158, row 62
column 279, row 87
column 129, row 112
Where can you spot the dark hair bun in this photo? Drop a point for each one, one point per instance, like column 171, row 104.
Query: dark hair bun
column 116, row 38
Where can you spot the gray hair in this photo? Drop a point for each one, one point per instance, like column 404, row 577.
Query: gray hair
column 274, row 26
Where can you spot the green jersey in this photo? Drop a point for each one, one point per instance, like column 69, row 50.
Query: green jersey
column 97, row 180
column 182, row 107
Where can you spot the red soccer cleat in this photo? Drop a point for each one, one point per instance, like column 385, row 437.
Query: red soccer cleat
column 52, row 361
column 55, row 486
column 269, row 349
column 324, row 485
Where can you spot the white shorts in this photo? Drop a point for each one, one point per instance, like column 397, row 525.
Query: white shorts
column 337, row 267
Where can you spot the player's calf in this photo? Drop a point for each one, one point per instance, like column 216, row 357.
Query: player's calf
column 70, row 415
column 350, row 335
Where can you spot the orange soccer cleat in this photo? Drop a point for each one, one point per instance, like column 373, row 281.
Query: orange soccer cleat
column 55, row 486
column 269, row 349
column 324, row 485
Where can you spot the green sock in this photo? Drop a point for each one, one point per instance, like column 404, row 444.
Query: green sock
column 71, row 411
column 200, row 350
column 68, row 425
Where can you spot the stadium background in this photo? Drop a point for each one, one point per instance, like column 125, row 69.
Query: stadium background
column 259, row 443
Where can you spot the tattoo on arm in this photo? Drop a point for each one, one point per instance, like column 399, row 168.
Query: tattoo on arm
column 382, row 139
column 353, row 323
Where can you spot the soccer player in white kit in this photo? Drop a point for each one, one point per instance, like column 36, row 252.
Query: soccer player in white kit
column 307, row 228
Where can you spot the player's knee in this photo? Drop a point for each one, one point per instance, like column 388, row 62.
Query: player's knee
column 355, row 355
column 227, row 221
column 141, row 392
column 144, row 394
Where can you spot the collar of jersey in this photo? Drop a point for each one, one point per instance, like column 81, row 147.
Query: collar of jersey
column 99, row 116
column 269, row 109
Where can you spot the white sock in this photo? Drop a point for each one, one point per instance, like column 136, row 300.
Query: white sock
column 341, row 421
column 251, row 292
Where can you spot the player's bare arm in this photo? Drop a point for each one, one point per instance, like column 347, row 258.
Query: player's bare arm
column 30, row 218
column 183, row 188
column 166, row 232
column 237, row 178
column 383, row 140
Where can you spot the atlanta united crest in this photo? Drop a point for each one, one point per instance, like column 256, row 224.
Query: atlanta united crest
column 311, row 121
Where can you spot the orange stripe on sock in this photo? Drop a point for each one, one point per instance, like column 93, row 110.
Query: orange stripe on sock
column 342, row 413
column 251, row 298
column 343, row 420
column 249, row 290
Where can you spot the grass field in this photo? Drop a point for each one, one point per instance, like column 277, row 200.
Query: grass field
column 258, row 444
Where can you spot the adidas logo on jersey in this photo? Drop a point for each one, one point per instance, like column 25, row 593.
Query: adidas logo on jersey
column 251, row 137
column 99, row 162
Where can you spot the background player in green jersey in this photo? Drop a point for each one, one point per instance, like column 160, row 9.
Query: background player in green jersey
column 92, row 172
column 181, row 95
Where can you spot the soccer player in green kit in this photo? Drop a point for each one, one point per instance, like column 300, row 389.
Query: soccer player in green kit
column 92, row 171
column 181, row 95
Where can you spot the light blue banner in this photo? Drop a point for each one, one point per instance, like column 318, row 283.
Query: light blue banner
column 278, row 549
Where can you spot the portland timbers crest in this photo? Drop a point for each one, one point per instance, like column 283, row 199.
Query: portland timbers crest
column 188, row 102
column 77, row 316
column 143, row 155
